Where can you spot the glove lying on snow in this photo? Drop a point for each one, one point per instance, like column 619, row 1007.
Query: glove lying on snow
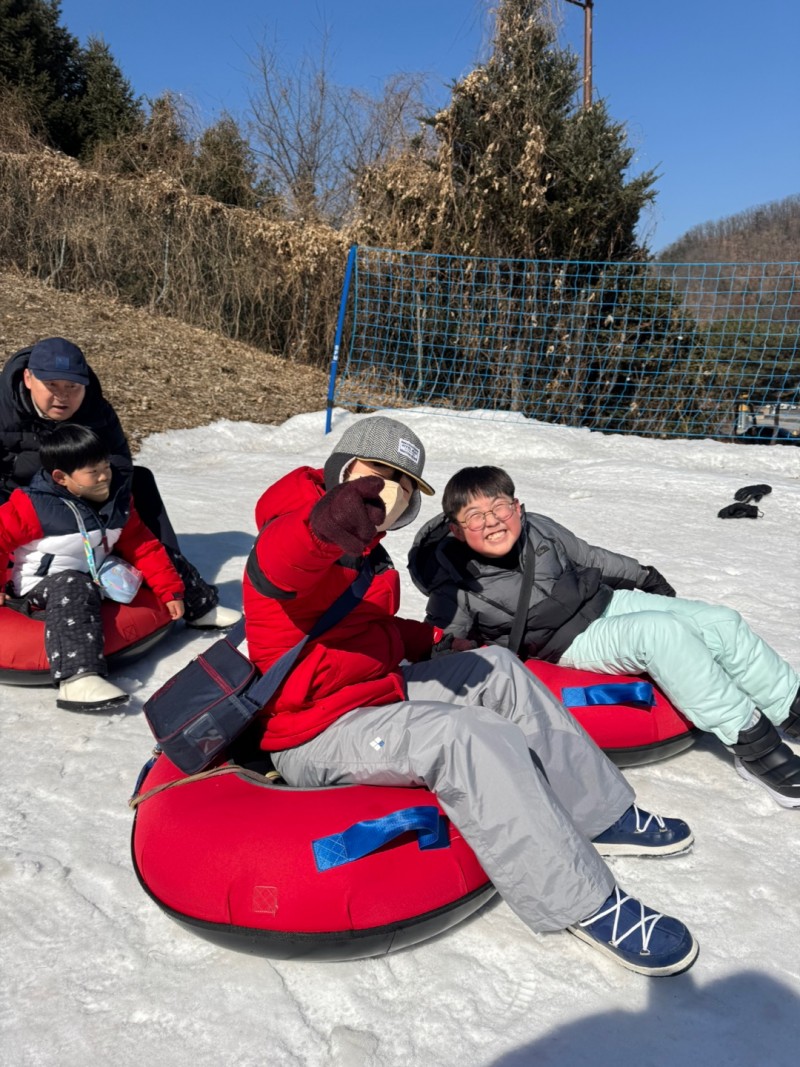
column 349, row 514
column 739, row 511
column 655, row 582
column 751, row 492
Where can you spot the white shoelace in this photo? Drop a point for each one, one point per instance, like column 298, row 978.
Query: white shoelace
column 641, row 826
column 646, row 922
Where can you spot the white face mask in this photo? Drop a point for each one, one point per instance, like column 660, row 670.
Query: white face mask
column 395, row 498
column 396, row 503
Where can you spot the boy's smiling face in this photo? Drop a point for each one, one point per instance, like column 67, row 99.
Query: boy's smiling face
column 497, row 521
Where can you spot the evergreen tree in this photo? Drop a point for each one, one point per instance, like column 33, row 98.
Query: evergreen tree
column 62, row 83
column 517, row 169
column 164, row 142
column 108, row 107
column 40, row 57
column 224, row 165
column 515, row 172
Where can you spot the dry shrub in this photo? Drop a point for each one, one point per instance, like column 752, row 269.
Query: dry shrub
column 18, row 122
column 158, row 372
column 372, row 388
column 272, row 283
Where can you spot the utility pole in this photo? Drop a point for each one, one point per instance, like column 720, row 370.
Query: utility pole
column 587, row 6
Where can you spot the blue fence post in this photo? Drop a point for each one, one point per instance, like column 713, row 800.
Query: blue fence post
column 348, row 273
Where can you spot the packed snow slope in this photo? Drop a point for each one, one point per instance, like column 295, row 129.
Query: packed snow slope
column 92, row 972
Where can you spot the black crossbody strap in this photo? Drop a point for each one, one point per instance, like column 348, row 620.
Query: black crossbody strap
column 521, row 614
column 263, row 689
column 258, row 579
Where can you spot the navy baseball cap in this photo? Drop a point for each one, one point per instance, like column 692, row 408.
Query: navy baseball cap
column 56, row 359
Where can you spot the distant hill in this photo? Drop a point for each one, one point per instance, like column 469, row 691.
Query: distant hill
column 732, row 284
column 769, row 233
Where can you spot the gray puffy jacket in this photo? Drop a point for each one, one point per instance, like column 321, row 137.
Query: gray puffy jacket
column 472, row 596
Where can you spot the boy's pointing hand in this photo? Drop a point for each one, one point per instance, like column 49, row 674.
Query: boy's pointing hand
column 349, row 514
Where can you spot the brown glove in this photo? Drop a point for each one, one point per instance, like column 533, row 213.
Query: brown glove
column 349, row 514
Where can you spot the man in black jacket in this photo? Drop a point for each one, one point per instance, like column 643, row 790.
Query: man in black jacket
column 51, row 383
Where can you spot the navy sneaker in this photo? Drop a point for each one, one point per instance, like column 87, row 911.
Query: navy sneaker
column 638, row 833
column 637, row 937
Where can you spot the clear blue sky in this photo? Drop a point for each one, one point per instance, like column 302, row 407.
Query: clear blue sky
column 708, row 89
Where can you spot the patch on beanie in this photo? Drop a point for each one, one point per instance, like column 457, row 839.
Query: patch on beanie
column 406, row 448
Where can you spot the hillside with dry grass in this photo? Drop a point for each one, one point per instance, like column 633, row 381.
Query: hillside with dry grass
column 159, row 373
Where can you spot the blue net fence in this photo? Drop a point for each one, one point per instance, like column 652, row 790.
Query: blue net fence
column 658, row 349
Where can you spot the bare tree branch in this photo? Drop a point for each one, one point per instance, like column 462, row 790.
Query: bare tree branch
column 314, row 138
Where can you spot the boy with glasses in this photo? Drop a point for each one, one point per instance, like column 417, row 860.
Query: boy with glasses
column 598, row 610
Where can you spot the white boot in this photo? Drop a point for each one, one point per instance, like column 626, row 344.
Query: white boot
column 217, row 618
column 89, row 692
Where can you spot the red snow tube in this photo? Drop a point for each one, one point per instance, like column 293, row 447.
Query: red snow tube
column 236, row 858
column 631, row 731
column 130, row 630
column 292, row 873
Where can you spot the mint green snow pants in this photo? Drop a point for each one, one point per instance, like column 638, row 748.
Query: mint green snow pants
column 703, row 656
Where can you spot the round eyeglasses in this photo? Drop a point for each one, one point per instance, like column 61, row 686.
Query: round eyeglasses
column 502, row 511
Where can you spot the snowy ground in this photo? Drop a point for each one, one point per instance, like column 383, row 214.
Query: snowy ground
column 92, row 972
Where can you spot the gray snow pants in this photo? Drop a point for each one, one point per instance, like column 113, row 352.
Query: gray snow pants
column 525, row 785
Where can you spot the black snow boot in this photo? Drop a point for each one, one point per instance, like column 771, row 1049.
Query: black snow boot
column 762, row 757
column 791, row 725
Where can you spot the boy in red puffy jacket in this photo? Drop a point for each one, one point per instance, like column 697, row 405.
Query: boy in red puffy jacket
column 50, row 565
column 530, row 792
